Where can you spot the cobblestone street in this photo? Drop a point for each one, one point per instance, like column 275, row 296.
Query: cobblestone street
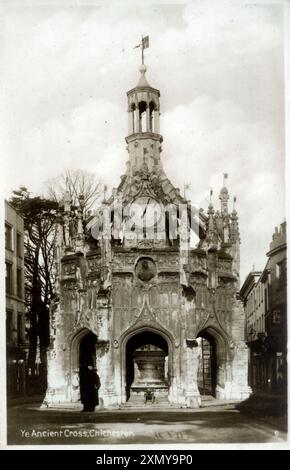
column 28, row 425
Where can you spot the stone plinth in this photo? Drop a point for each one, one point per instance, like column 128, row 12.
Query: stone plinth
column 149, row 371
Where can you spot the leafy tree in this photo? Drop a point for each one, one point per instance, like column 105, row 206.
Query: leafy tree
column 40, row 223
column 39, row 216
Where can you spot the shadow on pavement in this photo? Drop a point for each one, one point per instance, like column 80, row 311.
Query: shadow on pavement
column 270, row 408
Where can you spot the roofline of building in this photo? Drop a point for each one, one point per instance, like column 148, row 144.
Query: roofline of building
column 12, row 207
column 277, row 249
column 250, row 278
column 143, row 88
column 264, row 274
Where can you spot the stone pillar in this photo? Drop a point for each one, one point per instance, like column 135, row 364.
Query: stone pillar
column 130, row 122
column 104, row 370
column 192, row 395
column 182, row 364
column 148, row 119
column 240, row 389
column 66, row 229
column 137, row 120
column 173, row 382
column 156, row 121
column 117, row 379
column 239, row 354
column 58, row 390
column 79, row 241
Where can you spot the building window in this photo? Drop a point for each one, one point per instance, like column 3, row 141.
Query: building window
column 266, row 299
column 281, row 273
column 19, row 282
column 276, row 317
column 8, row 278
column 279, row 367
column 19, row 245
column 8, row 237
column 9, row 326
column 19, row 328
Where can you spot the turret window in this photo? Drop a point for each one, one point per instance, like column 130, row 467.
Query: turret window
column 142, row 116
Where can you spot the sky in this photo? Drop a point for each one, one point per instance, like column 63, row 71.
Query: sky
column 66, row 67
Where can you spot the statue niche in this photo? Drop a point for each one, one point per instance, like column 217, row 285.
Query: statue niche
column 145, row 269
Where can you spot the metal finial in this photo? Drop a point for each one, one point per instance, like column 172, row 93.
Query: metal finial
column 144, row 44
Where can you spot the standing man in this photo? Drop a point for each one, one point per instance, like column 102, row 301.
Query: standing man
column 89, row 387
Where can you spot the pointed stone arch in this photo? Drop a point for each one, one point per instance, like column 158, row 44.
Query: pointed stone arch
column 218, row 334
column 135, row 330
column 221, row 350
column 75, row 344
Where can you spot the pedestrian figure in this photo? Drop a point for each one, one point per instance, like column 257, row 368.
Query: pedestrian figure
column 89, row 387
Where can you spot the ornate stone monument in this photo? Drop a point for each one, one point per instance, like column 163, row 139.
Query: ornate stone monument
column 130, row 276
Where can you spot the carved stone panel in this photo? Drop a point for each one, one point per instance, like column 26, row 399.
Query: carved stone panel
column 68, row 268
column 94, row 264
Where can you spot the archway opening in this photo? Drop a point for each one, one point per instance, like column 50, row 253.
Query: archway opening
column 147, row 368
column 87, row 352
column 142, row 116
column 207, row 370
column 87, row 357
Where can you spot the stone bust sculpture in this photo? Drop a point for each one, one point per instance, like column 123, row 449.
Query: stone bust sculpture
column 145, row 269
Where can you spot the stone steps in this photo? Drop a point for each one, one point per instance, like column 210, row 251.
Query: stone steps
column 138, row 402
column 150, row 407
column 207, row 398
column 208, row 401
column 160, row 404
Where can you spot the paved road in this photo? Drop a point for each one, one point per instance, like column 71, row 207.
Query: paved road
column 27, row 424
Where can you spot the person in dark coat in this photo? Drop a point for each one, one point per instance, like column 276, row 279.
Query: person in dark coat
column 89, row 386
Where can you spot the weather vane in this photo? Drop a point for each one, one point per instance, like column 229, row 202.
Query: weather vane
column 225, row 178
column 144, row 44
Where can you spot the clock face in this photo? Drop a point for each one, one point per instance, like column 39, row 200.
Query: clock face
column 145, row 212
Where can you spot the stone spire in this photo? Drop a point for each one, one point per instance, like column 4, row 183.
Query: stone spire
column 66, row 219
column 211, row 229
column 234, row 232
column 224, row 197
column 80, row 230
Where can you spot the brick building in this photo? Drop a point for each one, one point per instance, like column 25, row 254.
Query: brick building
column 15, row 304
column 265, row 300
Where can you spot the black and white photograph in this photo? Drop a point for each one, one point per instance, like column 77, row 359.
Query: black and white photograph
column 144, row 203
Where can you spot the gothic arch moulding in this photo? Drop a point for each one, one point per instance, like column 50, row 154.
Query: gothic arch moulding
column 134, row 331
column 75, row 346
column 220, row 336
column 146, row 320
